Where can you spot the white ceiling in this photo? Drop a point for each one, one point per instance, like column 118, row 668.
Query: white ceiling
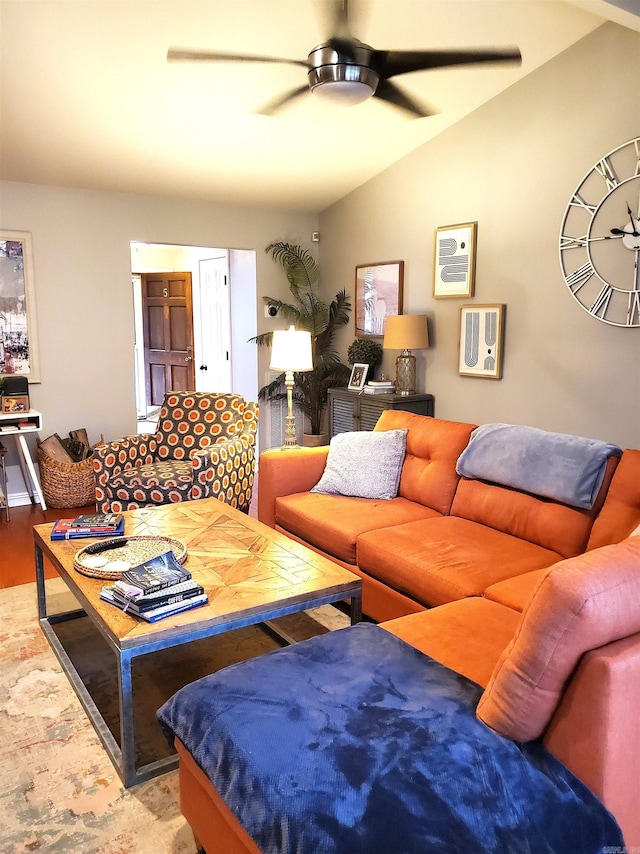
column 89, row 100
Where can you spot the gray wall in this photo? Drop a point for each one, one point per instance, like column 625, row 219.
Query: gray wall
column 512, row 167
column 82, row 272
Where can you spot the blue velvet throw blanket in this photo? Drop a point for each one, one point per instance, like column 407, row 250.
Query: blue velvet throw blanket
column 354, row 742
column 565, row 468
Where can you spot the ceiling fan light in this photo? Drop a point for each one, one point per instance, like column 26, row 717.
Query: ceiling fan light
column 343, row 84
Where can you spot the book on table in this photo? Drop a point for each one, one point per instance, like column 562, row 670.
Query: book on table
column 156, row 573
column 378, row 387
column 152, row 615
column 98, row 521
column 68, row 529
column 131, row 599
column 157, row 588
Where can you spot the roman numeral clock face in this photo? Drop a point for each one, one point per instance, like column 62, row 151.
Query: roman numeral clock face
column 600, row 238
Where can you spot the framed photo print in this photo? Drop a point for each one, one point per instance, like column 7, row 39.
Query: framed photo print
column 455, row 260
column 15, row 403
column 358, row 377
column 481, row 341
column 378, row 294
column 18, row 324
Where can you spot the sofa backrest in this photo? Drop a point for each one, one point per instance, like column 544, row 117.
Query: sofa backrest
column 429, row 474
column 546, row 523
column 579, row 605
column 620, row 513
column 191, row 421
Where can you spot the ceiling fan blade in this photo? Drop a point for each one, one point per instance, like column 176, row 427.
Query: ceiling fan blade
column 390, row 93
column 188, row 55
column 394, row 62
column 275, row 104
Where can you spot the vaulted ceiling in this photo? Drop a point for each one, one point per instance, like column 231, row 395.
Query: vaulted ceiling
column 89, row 100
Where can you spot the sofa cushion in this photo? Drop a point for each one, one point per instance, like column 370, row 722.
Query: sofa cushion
column 546, row 523
column 620, row 513
column 581, row 604
column 468, row 636
column 445, row 558
column 564, row 468
column 515, row 592
column 191, row 421
column 429, row 472
column 364, row 464
column 332, row 523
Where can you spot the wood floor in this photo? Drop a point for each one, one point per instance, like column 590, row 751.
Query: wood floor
column 17, row 564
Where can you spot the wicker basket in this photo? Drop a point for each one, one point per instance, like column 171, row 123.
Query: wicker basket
column 67, row 484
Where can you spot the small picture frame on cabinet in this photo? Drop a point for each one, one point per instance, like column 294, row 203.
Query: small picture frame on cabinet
column 358, row 377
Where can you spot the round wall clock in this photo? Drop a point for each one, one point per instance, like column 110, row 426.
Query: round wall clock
column 600, row 238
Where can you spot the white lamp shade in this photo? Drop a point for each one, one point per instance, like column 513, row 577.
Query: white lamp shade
column 291, row 350
column 406, row 332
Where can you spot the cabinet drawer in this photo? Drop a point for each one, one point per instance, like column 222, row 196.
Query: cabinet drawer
column 342, row 418
column 370, row 412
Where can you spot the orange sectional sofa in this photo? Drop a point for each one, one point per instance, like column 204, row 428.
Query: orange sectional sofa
column 535, row 601
column 486, row 579
column 444, row 537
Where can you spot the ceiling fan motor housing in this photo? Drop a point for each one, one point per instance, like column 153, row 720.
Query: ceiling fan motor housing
column 340, row 75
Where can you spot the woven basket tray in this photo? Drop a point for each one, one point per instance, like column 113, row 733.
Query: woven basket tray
column 135, row 551
column 67, row 484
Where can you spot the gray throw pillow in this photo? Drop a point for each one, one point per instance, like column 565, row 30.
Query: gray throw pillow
column 365, row 465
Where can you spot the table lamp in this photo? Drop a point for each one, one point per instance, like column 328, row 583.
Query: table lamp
column 290, row 351
column 406, row 332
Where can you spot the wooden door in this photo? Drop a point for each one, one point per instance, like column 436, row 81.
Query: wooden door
column 167, row 319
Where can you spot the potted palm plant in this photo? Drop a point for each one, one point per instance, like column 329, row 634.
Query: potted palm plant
column 308, row 312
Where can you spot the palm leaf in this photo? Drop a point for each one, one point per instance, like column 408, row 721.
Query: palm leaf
column 314, row 315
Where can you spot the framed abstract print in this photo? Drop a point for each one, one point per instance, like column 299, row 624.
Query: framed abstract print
column 481, row 341
column 454, row 271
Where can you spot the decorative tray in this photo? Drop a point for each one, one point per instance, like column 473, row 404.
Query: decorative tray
column 110, row 564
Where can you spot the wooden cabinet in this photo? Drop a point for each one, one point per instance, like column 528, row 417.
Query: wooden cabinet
column 351, row 410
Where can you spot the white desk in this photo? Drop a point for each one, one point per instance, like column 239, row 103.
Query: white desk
column 18, row 424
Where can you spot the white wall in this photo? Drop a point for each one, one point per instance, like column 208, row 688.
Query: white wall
column 511, row 166
column 82, row 272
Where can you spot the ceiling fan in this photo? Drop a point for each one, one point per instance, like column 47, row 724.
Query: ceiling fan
column 345, row 70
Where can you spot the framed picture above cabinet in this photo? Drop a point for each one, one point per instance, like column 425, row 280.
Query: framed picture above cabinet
column 454, row 265
column 378, row 294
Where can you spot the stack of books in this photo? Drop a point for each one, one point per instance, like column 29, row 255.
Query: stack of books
column 89, row 525
column 156, row 589
column 380, row 387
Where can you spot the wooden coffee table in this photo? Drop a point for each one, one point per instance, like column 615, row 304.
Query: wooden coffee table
column 251, row 573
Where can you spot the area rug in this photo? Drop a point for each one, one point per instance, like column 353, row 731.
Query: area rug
column 59, row 791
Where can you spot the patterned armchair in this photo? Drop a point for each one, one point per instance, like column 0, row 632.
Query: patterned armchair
column 204, row 447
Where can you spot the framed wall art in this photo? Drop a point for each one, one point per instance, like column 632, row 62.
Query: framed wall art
column 481, row 341
column 378, row 294
column 15, row 403
column 454, row 272
column 358, row 377
column 18, row 322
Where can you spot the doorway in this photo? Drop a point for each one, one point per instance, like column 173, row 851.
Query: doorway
column 167, row 328
column 215, row 323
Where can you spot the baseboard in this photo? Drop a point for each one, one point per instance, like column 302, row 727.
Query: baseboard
column 19, row 499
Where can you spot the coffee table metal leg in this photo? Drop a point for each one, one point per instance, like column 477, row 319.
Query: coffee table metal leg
column 127, row 730
column 356, row 609
column 40, row 587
